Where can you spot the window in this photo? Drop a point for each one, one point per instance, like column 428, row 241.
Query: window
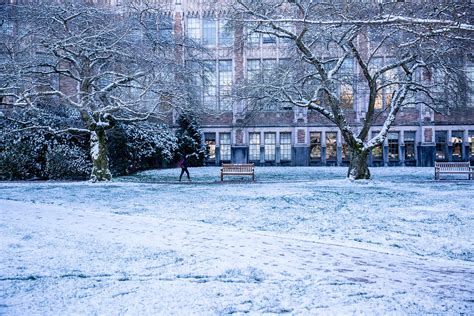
column 254, row 146
column 409, row 140
column 209, row 31
column 254, row 38
column 345, row 152
column 193, row 28
column 225, row 146
column 225, row 84
column 456, row 140
column 210, row 139
column 393, row 146
column 210, row 85
column 375, row 65
column 440, row 138
column 471, row 143
column 270, row 143
column 470, row 84
column 268, row 66
column 225, row 34
column 253, row 68
column 315, row 145
column 285, row 146
column 346, row 89
column 331, row 146
column 377, row 151
column 165, row 28
column 268, row 39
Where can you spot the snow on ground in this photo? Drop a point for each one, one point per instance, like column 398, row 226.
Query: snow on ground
column 298, row 241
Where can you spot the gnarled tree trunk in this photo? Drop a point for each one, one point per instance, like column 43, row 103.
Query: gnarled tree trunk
column 358, row 164
column 100, row 162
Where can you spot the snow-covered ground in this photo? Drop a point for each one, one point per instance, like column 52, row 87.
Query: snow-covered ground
column 298, row 241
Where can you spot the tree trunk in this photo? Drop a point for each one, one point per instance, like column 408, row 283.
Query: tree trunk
column 100, row 162
column 358, row 165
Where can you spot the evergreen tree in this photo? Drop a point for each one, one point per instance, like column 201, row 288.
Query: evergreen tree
column 190, row 140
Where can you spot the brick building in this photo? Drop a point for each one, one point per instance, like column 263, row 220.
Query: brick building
column 292, row 135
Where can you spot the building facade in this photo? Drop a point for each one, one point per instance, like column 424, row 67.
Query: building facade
column 294, row 136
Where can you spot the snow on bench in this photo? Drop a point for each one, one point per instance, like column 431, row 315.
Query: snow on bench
column 238, row 170
column 453, row 168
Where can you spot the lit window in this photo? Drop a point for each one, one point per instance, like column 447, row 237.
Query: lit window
column 209, row 31
column 193, row 28
column 225, row 146
column 377, row 151
column 285, row 146
column 393, row 146
column 346, row 74
column 315, row 146
column 471, row 143
column 440, row 145
column 456, row 140
column 409, row 140
column 254, row 146
column 331, row 146
column 345, row 152
column 210, row 139
column 270, row 143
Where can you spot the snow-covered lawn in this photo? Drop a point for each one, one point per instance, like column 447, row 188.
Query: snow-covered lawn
column 299, row 241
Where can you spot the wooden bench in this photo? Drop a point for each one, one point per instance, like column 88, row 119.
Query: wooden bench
column 238, row 170
column 453, row 168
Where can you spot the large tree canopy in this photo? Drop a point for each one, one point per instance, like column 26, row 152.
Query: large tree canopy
column 103, row 66
column 388, row 55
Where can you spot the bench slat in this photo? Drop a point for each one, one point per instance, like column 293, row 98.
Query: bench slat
column 454, row 168
column 237, row 170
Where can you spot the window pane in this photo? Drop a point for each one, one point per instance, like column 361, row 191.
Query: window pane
column 193, row 28
column 285, row 146
column 254, row 38
column 253, row 68
column 225, row 84
column 440, row 145
column 409, row 140
column 377, row 152
column 471, row 143
column 270, row 143
column 210, row 139
column 210, row 85
column 315, row 149
column 268, row 39
column 393, row 146
column 225, row 146
column 456, row 140
column 345, row 152
column 254, row 146
column 209, row 31
column 331, row 146
column 225, row 34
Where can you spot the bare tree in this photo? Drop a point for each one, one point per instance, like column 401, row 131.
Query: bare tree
column 104, row 66
column 335, row 48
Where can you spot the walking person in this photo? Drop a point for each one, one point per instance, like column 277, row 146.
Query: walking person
column 183, row 164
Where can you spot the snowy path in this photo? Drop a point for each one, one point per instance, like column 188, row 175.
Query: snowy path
column 59, row 260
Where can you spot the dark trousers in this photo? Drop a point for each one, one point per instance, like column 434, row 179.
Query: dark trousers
column 183, row 170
